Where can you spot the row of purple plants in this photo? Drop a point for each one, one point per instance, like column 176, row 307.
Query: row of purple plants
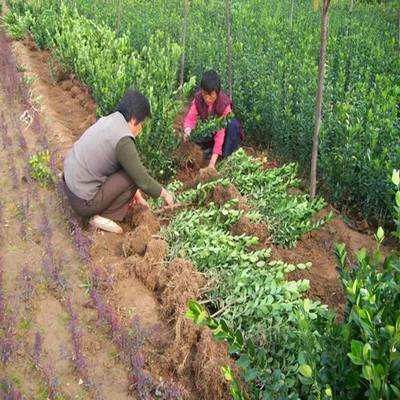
column 15, row 89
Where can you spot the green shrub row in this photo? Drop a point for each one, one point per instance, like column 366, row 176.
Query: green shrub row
column 109, row 65
column 289, row 347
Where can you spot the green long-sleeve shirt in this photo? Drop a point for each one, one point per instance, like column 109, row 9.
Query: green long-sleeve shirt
column 129, row 160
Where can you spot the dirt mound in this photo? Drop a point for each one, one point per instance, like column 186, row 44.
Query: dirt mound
column 143, row 216
column 189, row 156
column 245, row 226
column 135, row 242
column 205, row 175
column 207, row 366
column 222, row 194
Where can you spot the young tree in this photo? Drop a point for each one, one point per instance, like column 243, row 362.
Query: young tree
column 320, row 91
column 291, row 12
column 184, row 36
column 118, row 17
column 228, row 20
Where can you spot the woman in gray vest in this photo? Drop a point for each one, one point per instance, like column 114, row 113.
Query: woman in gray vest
column 102, row 171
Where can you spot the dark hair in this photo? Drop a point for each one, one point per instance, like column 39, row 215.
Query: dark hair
column 135, row 105
column 210, row 82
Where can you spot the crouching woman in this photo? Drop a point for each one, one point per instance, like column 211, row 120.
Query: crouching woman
column 103, row 173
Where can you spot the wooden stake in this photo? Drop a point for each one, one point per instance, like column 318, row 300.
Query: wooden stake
column 184, row 38
column 229, row 45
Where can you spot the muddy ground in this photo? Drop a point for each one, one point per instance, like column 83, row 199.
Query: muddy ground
column 46, row 280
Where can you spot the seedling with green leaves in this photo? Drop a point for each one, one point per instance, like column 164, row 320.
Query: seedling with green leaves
column 40, row 168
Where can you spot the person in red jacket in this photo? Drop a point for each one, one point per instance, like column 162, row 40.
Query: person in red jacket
column 211, row 102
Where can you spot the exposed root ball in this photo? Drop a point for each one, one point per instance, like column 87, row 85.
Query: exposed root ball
column 245, row 226
column 183, row 285
column 223, row 194
column 209, row 357
column 154, row 275
column 135, row 242
column 75, row 91
column 67, row 85
column 156, row 250
column 205, row 175
column 189, row 156
column 143, row 216
column 182, row 351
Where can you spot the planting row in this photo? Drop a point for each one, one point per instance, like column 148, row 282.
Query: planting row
column 288, row 346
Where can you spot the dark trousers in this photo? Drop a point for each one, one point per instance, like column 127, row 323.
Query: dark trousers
column 231, row 140
column 111, row 201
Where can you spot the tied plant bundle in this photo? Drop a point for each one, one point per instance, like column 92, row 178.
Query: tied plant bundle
column 210, row 127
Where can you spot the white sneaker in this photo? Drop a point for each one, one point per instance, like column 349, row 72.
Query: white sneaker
column 105, row 224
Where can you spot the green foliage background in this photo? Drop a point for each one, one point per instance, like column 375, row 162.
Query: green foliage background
column 275, row 69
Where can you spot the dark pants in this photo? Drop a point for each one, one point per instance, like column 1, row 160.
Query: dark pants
column 111, row 201
column 231, row 140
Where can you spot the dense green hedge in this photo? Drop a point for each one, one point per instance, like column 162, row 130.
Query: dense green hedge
column 108, row 65
column 275, row 80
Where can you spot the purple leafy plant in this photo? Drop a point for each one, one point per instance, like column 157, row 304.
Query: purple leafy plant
column 7, row 146
column 8, row 391
column 37, row 350
column 2, row 300
column 27, row 285
column 6, row 327
column 50, row 381
column 6, row 341
column 130, row 342
column 78, row 357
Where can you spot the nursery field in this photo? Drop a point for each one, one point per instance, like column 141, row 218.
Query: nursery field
column 248, row 289
column 275, row 62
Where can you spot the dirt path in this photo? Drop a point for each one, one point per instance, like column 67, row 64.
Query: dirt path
column 48, row 322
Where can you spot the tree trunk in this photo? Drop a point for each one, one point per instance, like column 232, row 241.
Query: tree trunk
column 229, row 45
column 398, row 14
column 118, row 17
column 320, row 91
column 184, row 36
column 291, row 13
column 351, row 5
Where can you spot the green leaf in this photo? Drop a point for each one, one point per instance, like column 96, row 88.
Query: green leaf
column 226, row 370
column 243, row 362
column 380, row 234
column 367, row 372
column 307, row 305
column 366, row 351
column 396, row 177
column 305, row 370
column 398, row 198
column 250, row 374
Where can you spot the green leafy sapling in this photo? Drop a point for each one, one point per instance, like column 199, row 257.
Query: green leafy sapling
column 40, row 168
column 396, row 182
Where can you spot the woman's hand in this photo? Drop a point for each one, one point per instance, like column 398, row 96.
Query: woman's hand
column 167, row 197
column 138, row 200
column 186, row 134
